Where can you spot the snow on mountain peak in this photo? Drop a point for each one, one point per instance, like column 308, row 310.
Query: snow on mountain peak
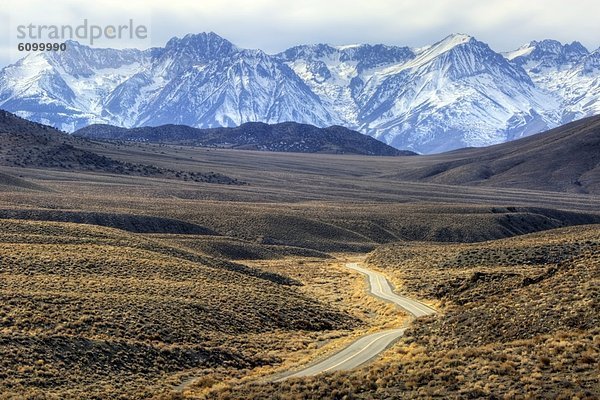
column 547, row 54
column 204, row 45
column 522, row 51
column 576, row 47
column 347, row 46
column 548, row 45
column 443, row 46
column 569, row 72
column 591, row 64
column 452, row 41
column 457, row 92
column 434, row 52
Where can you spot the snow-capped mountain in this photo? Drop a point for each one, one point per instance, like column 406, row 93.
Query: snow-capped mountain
column 568, row 71
column 455, row 93
column 66, row 89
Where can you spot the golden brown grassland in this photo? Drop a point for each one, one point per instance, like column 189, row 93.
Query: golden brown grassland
column 141, row 294
column 96, row 312
column 520, row 319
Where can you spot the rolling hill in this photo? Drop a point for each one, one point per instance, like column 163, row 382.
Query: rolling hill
column 94, row 312
column 31, row 145
column 283, row 137
column 564, row 159
column 123, row 285
column 520, row 321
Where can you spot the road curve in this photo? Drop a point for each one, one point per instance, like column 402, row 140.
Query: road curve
column 380, row 287
column 369, row 346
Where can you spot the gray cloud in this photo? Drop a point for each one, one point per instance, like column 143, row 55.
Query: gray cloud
column 274, row 25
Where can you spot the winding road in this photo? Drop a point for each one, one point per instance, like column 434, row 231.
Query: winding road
column 369, row 346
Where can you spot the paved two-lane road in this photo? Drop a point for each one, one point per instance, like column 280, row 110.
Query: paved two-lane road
column 380, row 287
column 369, row 346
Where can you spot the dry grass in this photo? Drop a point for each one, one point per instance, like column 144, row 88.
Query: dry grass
column 95, row 312
column 102, row 313
column 334, row 285
column 520, row 319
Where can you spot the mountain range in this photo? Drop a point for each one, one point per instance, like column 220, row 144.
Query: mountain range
column 455, row 93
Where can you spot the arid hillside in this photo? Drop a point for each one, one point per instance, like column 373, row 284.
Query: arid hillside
column 90, row 312
column 32, row 145
column 149, row 271
column 519, row 319
column 565, row 159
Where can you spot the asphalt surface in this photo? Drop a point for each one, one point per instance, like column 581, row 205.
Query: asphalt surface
column 370, row 346
column 380, row 287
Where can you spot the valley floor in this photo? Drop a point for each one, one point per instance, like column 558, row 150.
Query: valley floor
column 519, row 319
column 139, row 287
column 95, row 312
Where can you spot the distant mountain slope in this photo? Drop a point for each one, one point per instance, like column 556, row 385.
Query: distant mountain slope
column 32, row 145
column 563, row 159
column 569, row 71
column 29, row 144
column 284, row 137
column 10, row 182
column 455, row 93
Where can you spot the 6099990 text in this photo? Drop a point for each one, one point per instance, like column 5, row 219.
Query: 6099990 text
column 42, row 46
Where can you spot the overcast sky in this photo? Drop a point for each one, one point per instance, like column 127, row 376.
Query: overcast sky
column 273, row 25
